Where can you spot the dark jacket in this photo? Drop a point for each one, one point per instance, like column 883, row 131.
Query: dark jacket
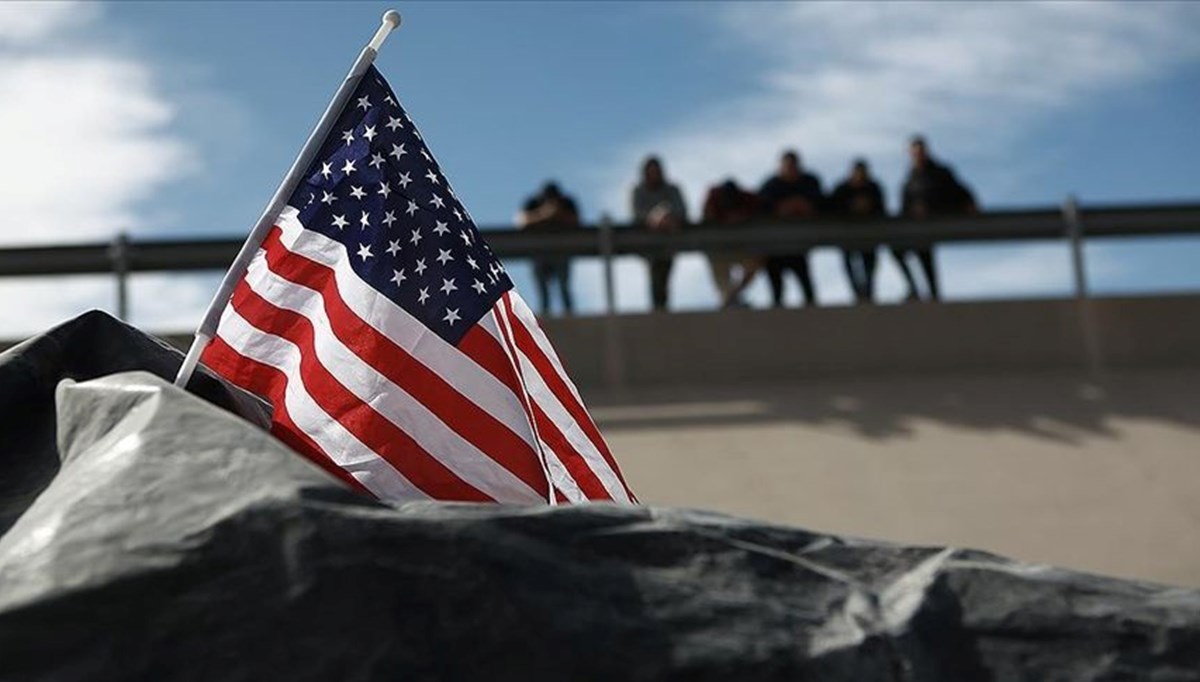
column 775, row 190
column 936, row 188
column 865, row 201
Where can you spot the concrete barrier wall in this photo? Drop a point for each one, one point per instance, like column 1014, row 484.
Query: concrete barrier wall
column 741, row 346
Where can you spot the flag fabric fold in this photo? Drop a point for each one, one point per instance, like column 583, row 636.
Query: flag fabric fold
column 391, row 342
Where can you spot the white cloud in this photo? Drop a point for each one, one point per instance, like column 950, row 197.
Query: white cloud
column 87, row 137
column 851, row 79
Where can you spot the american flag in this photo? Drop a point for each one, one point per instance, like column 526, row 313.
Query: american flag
column 389, row 338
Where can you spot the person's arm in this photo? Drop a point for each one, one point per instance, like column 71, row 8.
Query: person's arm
column 877, row 195
column 678, row 206
column 637, row 205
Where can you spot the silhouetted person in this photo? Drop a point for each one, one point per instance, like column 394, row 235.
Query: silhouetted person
column 658, row 206
column 859, row 197
column 930, row 191
column 728, row 204
column 548, row 211
column 792, row 195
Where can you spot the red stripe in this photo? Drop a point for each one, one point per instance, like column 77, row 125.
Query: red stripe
column 525, row 341
column 269, row 382
column 373, row 429
column 486, row 350
column 458, row 412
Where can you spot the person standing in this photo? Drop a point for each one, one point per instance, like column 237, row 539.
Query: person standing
column 792, row 195
column 859, row 198
column 931, row 190
column 727, row 204
column 658, row 206
column 548, row 211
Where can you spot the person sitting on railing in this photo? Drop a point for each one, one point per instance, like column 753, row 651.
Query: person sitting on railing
column 551, row 210
column 931, row 190
column 729, row 204
column 859, row 197
column 793, row 195
column 658, row 206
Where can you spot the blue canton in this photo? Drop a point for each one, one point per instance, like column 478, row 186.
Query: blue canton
column 376, row 188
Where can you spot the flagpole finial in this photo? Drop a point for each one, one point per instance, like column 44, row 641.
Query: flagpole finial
column 389, row 22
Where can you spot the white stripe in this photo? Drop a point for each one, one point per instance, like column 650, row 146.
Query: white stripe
column 334, row 439
column 392, row 402
column 389, row 319
column 560, row 417
column 527, row 317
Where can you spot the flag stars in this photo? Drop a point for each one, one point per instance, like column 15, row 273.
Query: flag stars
column 397, row 151
column 404, row 179
column 357, row 192
column 451, row 316
column 365, row 220
column 364, row 252
column 458, row 215
column 444, row 256
column 393, row 249
column 421, row 267
column 388, row 98
column 370, row 133
column 326, row 170
column 479, row 287
column 412, row 207
column 424, row 152
column 472, row 263
column 440, row 228
column 385, row 189
column 339, row 221
column 389, row 218
column 416, row 237
column 348, row 168
column 433, row 177
column 348, row 136
column 377, row 160
column 424, row 296
column 364, row 102
column 398, row 277
column 393, row 123
column 466, row 237
column 328, row 198
column 438, row 201
column 448, row 286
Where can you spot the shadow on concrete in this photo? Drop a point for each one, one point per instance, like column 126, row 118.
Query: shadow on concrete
column 1063, row 407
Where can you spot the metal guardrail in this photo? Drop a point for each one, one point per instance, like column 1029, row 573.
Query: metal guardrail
column 1072, row 223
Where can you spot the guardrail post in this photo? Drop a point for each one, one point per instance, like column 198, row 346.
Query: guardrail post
column 1087, row 323
column 614, row 365
column 118, row 254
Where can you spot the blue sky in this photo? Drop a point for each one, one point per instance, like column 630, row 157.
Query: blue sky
column 179, row 118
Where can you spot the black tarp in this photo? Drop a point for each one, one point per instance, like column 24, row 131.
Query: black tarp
column 151, row 534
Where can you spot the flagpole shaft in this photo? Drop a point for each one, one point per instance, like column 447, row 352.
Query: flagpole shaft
column 208, row 325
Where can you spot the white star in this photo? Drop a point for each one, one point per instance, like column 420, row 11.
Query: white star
column 389, row 218
column 393, row 123
column 357, row 192
column 404, row 180
column 458, row 215
column 364, row 103
column 339, row 221
column 349, row 167
column 385, row 189
column 424, row 295
column 440, row 228
column 364, row 252
column 448, row 285
column 479, row 287
column 326, row 170
column 438, row 201
column 348, row 136
column 311, row 196
column 393, row 248
column 398, row 151
column 433, row 177
column 472, row 263
column 398, row 276
column 376, row 160
column 466, row 237
column 327, row 198
column 412, row 207
column 416, row 236
column 444, row 256
column 365, row 220
column 389, row 100
column 425, row 152
column 451, row 316
column 370, row 133
column 420, row 266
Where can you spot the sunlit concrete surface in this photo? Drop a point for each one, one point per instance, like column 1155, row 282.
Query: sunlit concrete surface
column 1048, row 467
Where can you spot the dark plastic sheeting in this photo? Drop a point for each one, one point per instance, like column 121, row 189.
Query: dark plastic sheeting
column 148, row 534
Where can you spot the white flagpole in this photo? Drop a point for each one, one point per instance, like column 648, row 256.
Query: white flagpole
column 208, row 326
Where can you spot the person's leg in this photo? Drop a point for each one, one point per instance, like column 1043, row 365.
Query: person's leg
column 850, row 259
column 564, row 287
column 926, row 257
column 899, row 252
column 660, row 277
column 751, row 266
column 868, row 274
column 720, row 264
column 799, row 264
column 542, row 272
column 775, row 277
